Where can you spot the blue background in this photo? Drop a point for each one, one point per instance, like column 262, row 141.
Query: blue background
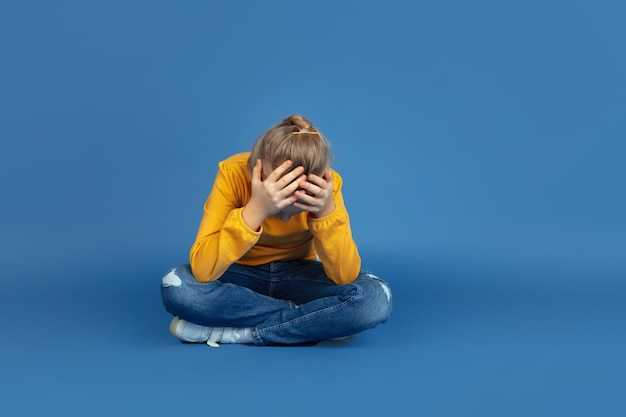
column 482, row 148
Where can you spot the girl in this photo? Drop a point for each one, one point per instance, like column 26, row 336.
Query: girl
column 274, row 261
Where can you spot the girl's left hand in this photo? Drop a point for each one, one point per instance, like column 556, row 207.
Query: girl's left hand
column 315, row 194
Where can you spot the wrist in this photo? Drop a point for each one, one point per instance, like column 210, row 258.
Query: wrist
column 252, row 217
column 326, row 211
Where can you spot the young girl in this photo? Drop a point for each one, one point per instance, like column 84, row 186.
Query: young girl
column 274, row 261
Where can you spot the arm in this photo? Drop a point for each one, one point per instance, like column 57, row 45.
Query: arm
column 228, row 230
column 330, row 226
column 223, row 237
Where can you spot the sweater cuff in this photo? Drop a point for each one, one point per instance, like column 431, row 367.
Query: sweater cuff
column 336, row 216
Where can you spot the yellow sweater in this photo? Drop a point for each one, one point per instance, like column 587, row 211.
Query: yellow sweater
column 223, row 238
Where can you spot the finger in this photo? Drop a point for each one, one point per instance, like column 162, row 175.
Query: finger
column 306, row 198
column 291, row 187
column 291, row 176
column 318, row 181
column 279, row 171
column 256, row 171
column 328, row 176
column 292, row 199
column 311, row 208
column 310, row 188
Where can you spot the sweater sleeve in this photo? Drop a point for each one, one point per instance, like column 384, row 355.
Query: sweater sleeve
column 223, row 237
column 333, row 240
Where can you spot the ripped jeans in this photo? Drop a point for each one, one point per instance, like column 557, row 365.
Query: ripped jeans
column 282, row 302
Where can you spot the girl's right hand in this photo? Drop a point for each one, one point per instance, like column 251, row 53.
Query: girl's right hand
column 271, row 195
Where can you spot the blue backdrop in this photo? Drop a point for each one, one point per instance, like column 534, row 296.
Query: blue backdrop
column 481, row 145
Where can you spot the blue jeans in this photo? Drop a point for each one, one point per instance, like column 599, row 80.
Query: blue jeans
column 283, row 302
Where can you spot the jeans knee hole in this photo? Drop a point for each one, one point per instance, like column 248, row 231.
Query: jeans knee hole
column 171, row 279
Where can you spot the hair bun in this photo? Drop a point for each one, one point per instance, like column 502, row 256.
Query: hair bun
column 300, row 122
column 293, row 139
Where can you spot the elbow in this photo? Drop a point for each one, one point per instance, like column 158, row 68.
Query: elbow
column 198, row 273
column 345, row 277
column 203, row 276
column 343, row 280
column 200, row 270
column 348, row 273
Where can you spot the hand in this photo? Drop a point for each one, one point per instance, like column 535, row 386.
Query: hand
column 315, row 195
column 271, row 195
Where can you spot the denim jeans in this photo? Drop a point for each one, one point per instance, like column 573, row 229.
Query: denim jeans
column 283, row 302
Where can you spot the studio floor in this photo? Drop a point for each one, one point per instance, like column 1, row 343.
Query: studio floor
column 464, row 339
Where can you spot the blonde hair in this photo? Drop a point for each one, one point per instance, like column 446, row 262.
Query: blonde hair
column 293, row 139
